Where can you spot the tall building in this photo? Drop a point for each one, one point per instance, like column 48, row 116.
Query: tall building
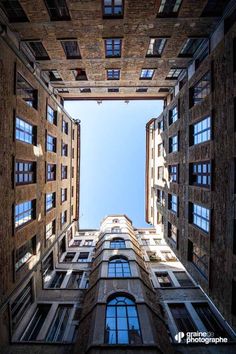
column 39, row 161
column 190, row 171
column 116, row 289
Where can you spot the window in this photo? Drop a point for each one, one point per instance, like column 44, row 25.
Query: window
column 160, row 196
column 75, row 280
column 24, row 212
column 25, row 172
column 59, row 326
column 117, row 243
column 200, row 131
column 164, row 280
column 113, row 8
column 200, row 174
column 173, row 203
column 198, row 257
column 190, row 46
column 25, row 132
column 83, row 257
column 173, row 173
column 182, row 318
column 13, row 11
column 53, row 75
column 142, row 89
column 51, row 115
column 173, row 115
column 57, row 280
column 145, row 242
column 174, row 73
column 64, row 149
column 113, row 74
column 88, row 242
column 209, row 319
column 76, row 243
column 183, row 279
column 65, row 127
column 50, row 201
column 63, row 217
column 63, row 172
column 85, row 90
column 38, row 50
column 169, row 8
column 160, row 126
column 200, row 216
column 201, row 90
column 156, row 47
column 24, row 253
column 173, row 143
column 71, row 49
column 21, row 304
column 47, row 266
column 113, row 48
column 173, row 233
column 80, row 74
column 160, row 172
column 160, row 150
column 147, row 74
column 118, row 267
column 51, row 143
column 201, row 55
column 26, row 92
column 115, row 89
column 51, row 172
column 63, row 194
column 69, row 257
column 35, row 325
column 50, row 229
column 115, row 229
column 57, row 10
column 122, row 323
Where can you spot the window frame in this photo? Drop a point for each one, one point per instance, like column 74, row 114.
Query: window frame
column 32, row 133
column 65, row 17
column 32, row 214
column 112, row 15
column 195, row 174
column 113, row 46
column 28, row 172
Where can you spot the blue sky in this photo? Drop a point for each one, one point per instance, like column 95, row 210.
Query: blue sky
column 112, row 158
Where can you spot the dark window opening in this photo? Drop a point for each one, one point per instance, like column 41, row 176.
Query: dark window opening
column 38, row 50
column 182, row 318
column 80, row 75
column 71, row 49
column 26, row 92
column 13, row 11
column 57, row 10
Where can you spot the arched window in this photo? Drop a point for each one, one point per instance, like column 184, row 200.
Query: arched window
column 117, row 243
column 122, row 324
column 116, row 229
column 118, row 267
